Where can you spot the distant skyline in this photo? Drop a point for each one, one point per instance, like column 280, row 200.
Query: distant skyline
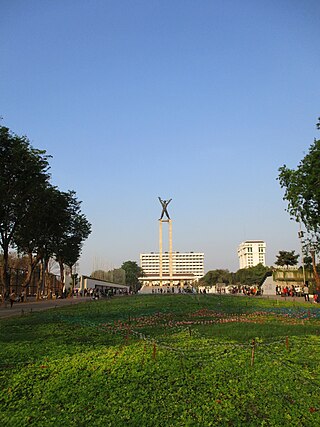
column 200, row 102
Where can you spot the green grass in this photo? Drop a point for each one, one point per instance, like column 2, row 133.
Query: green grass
column 163, row 360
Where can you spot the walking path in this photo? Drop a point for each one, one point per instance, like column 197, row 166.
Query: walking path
column 21, row 308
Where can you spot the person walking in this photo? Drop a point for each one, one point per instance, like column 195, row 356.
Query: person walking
column 12, row 298
column 306, row 292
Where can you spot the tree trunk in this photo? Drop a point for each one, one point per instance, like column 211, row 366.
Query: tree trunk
column 33, row 261
column 43, row 280
column 5, row 279
column 41, row 283
column 61, row 275
column 315, row 272
column 72, row 284
column 48, row 284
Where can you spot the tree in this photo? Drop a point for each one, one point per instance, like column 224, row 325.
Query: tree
column 302, row 193
column 40, row 227
column 287, row 258
column 133, row 272
column 100, row 274
column 307, row 261
column 75, row 229
column 35, row 217
column 23, row 173
column 117, row 275
column 252, row 275
column 212, row 277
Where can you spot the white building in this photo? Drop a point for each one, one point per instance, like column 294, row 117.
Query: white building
column 251, row 253
column 183, row 263
column 86, row 282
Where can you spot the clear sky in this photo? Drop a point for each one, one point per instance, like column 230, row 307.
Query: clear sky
column 198, row 101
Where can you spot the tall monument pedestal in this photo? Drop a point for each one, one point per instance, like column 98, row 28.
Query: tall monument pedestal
column 164, row 204
column 169, row 221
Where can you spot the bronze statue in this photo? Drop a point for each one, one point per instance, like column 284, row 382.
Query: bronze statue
column 164, row 204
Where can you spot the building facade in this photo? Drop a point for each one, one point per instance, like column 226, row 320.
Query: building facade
column 183, row 263
column 251, row 253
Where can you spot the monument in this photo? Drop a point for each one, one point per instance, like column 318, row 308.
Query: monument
column 164, row 204
column 166, row 271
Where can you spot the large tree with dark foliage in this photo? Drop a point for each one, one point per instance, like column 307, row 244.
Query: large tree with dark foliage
column 212, row 277
column 36, row 218
column 75, row 229
column 23, row 175
column 287, row 259
column 43, row 223
column 252, row 275
column 302, row 193
column 133, row 272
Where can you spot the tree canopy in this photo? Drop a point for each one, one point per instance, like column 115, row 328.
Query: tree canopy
column 213, row 277
column 302, row 193
column 23, row 175
column 133, row 272
column 36, row 218
column 307, row 261
column 287, row 259
column 117, row 275
column 252, row 275
column 74, row 230
column 243, row 277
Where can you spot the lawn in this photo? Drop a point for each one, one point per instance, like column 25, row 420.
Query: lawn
column 163, row 360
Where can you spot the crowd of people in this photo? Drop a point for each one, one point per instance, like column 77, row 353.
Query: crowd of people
column 288, row 291
column 292, row 291
column 97, row 293
column 245, row 290
column 171, row 290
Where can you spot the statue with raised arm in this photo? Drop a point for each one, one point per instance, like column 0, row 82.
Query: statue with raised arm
column 164, row 204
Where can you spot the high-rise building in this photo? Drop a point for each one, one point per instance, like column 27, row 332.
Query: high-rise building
column 183, row 263
column 251, row 253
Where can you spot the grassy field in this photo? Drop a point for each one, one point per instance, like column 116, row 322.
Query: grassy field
column 163, row 360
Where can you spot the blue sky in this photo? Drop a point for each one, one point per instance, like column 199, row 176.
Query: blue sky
column 198, row 101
